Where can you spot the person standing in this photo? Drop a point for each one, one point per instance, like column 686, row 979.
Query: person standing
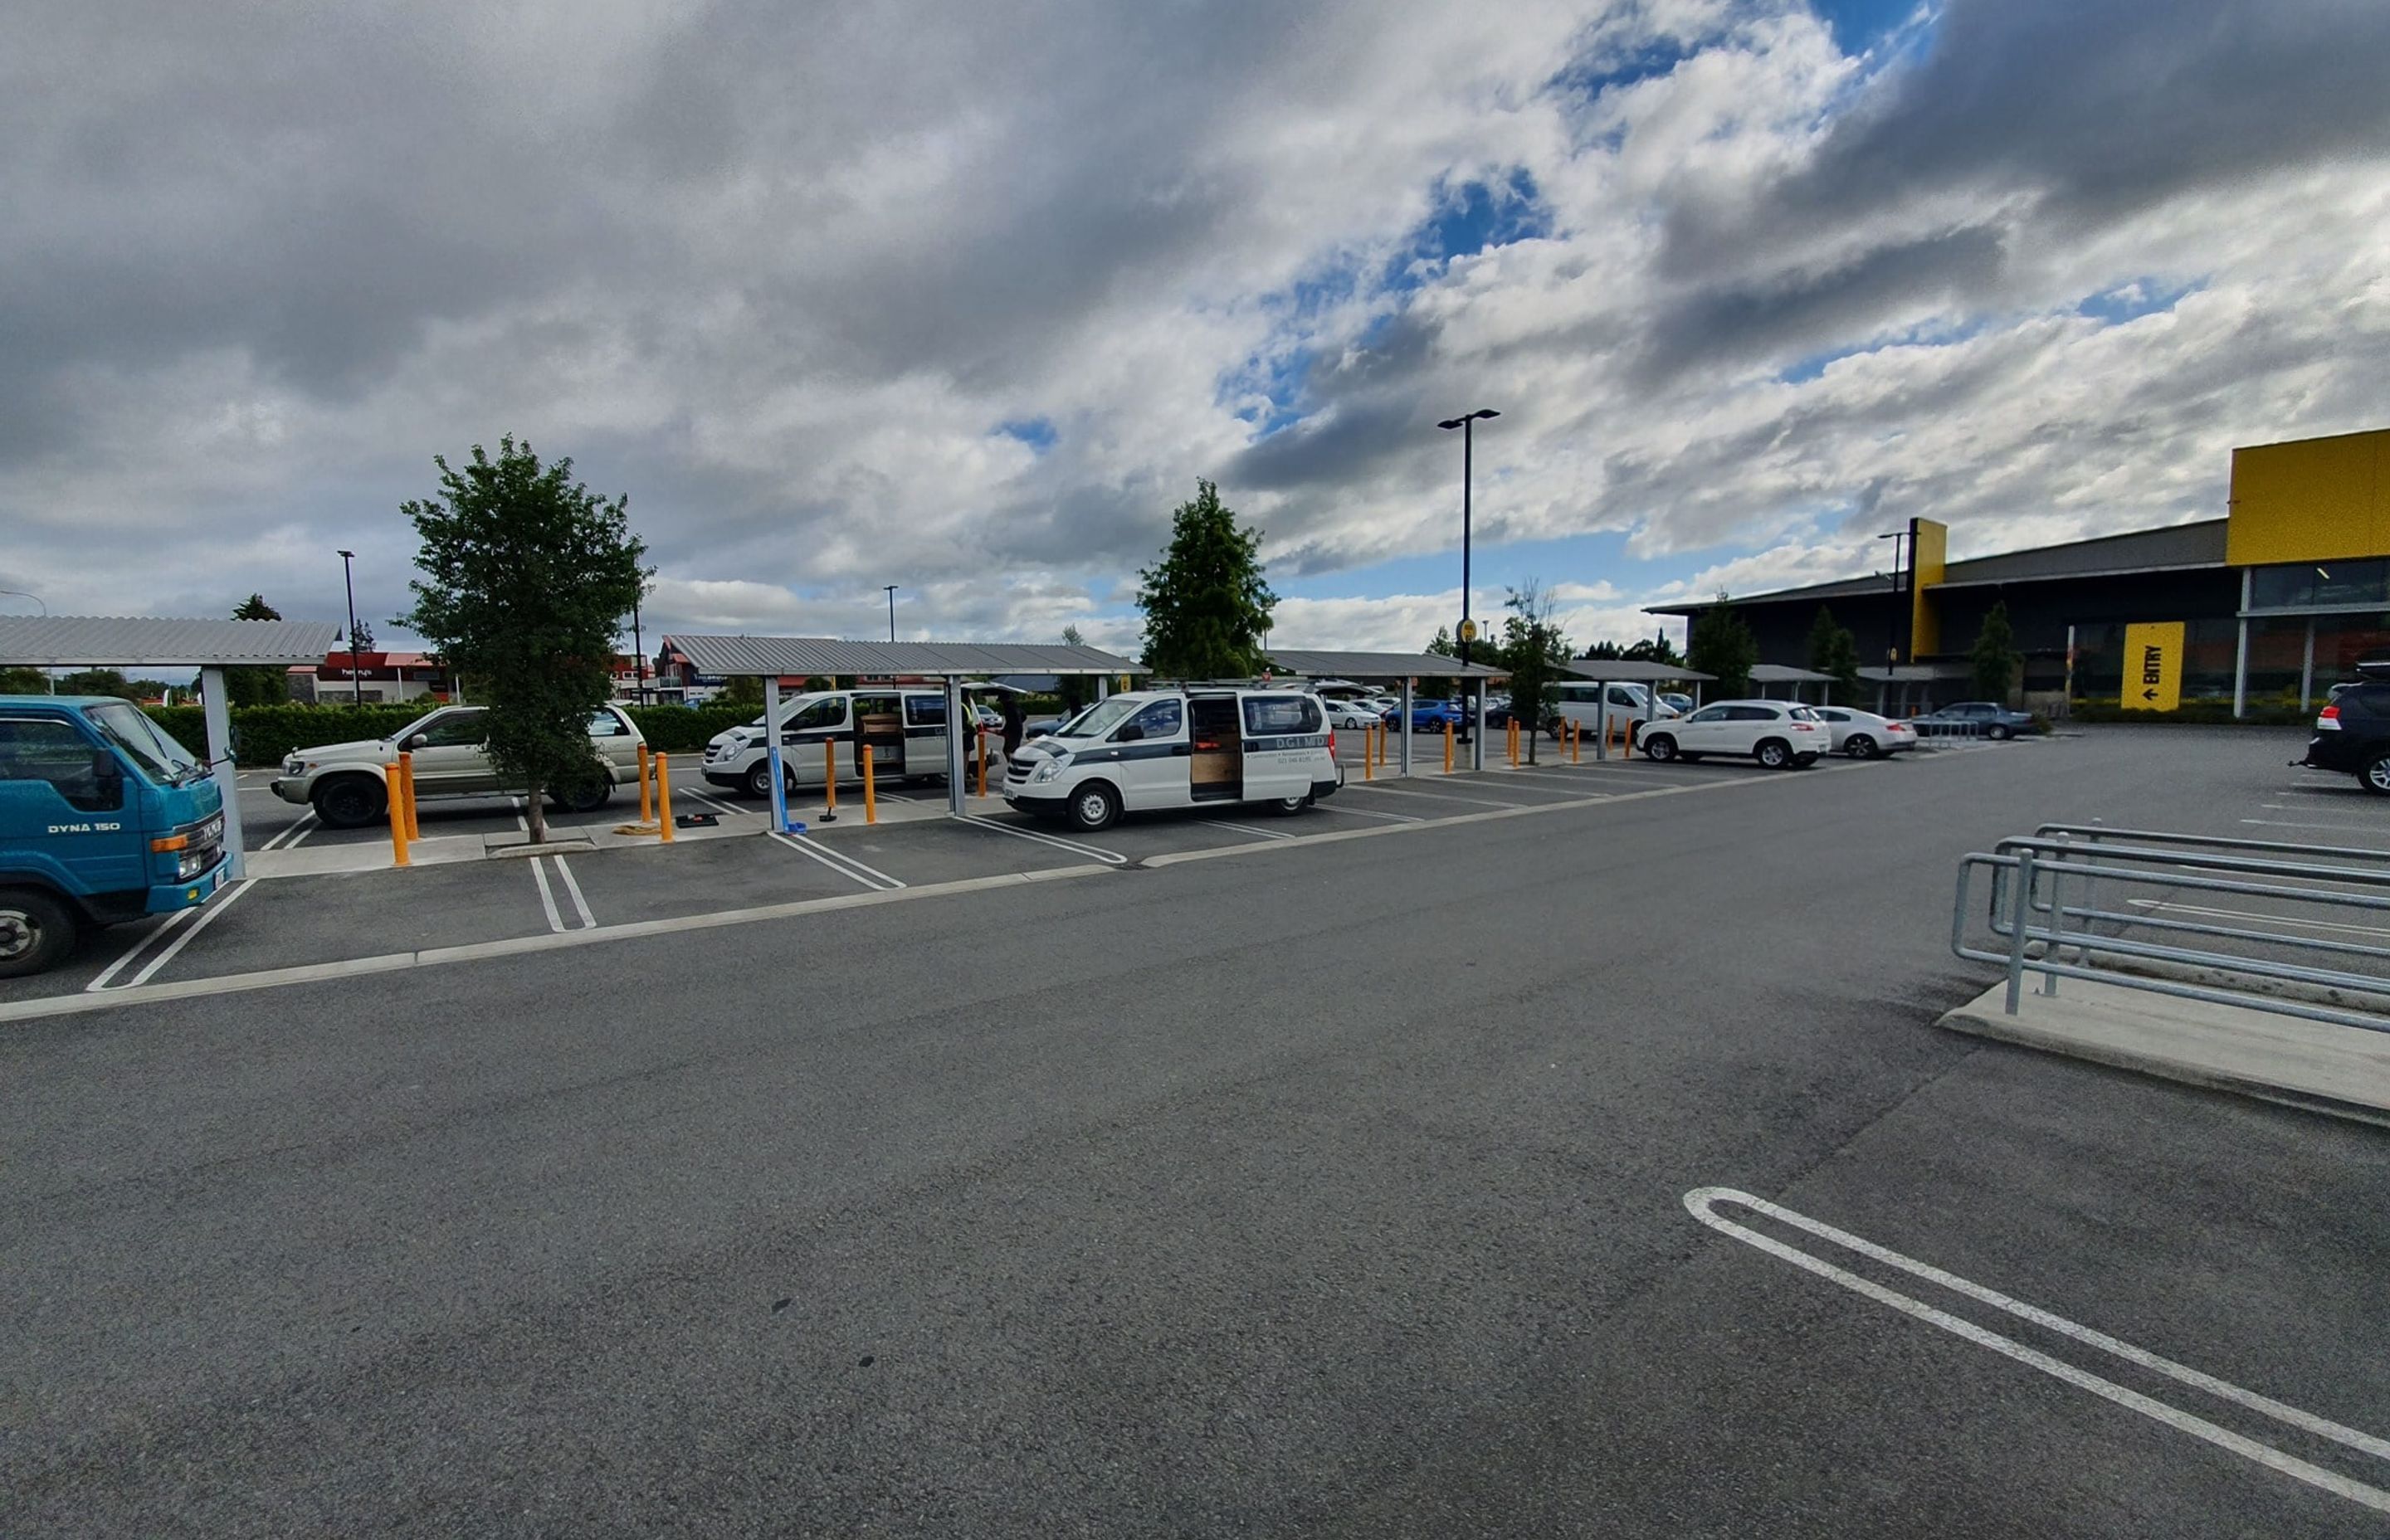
column 1016, row 721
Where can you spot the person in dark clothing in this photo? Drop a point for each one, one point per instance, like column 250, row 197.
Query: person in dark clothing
column 1015, row 722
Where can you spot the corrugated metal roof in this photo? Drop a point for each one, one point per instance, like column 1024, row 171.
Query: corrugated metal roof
column 149, row 641
column 1784, row 674
column 825, row 655
column 1379, row 665
column 1623, row 671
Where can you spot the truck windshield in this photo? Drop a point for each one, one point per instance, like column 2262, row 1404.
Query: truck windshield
column 128, row 728
column 1100, row 718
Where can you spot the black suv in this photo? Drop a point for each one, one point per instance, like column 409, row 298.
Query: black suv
column 2352, row 733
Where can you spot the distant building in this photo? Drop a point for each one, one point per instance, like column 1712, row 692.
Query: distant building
column 2277, row 600
column 377, row 678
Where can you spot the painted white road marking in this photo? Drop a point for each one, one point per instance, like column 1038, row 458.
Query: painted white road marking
column 718, row 804
column 839, row 861
column 1439, row 796
column 2172, row 908
column 1701, row 1203
column 1246, row 829
column 1367, row 813
column 142, row 943
column 546, row 898
column 572, row 886
column 1109, row 857
column 207, row 917
column 2286, row 823
column 293, row 837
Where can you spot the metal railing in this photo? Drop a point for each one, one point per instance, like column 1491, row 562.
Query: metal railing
column 1947, row 735
column 2062, row 903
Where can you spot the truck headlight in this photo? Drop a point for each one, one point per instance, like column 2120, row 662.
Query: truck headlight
column 190, row 863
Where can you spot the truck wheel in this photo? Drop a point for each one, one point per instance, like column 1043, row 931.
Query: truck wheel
column 350, row 802
column 36, row 931
column 1094, row 806
column 2375, row 778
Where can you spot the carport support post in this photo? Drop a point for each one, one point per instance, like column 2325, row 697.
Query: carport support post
column 773, row 721
column 1477, row 738
column 957, row 791
column 220, row 767
column 1601, row 724
column 1406, row 726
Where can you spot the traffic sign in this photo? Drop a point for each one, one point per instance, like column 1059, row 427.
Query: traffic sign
column 2153, row 667
column 1468, row 632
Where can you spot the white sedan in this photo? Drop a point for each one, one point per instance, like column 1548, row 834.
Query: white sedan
column 1864, row 735
column 1351, row 714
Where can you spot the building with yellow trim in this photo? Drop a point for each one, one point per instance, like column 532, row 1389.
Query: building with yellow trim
column 2278, row 599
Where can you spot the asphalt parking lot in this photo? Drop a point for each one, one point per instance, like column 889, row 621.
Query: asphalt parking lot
column 1371, row 1172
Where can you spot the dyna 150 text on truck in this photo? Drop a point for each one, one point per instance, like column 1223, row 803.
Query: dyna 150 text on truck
column 103, row 819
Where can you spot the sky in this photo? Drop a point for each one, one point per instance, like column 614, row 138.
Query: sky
column 966, row 298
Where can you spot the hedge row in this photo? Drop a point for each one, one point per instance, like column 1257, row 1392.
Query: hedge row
column 266, row 735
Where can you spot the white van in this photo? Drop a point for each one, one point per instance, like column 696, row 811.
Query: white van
column 906, row 729
column 1582, row 699
column 1198, row 747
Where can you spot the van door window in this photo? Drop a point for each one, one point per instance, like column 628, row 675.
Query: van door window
column 829, row 712
column 1282, row 715
column 35, row 750
column 925, row 710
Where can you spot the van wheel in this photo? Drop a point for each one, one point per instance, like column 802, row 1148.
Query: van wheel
column 1287, row 807
column 1659, row 748
column 1094, row 806
column 1773, row 754
column 350, row 802
column 759, row 779
column 36, row 931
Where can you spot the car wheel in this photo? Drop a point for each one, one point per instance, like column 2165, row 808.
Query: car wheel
column 1659, row 748
column 1094, row 806
column 1773, row 754
column 1999, row 732
column 36, row 931
column 1861, row 746
column 2375, row 776
column 350, row 802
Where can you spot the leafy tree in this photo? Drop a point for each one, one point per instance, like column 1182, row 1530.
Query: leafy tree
column 1655, row 649
column 1206, row 606
column 23, row 681
column 1076, row 689
column 1536, row 650
column 1605, row 651
column 743, row 689
column 101, row 681
column 256, row 687
column 1722, row 644
column 1996, row 659
column 1833, row 649
column 1444, row 647
column 525, row 572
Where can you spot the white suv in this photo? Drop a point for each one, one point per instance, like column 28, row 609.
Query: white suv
column 1779, row 734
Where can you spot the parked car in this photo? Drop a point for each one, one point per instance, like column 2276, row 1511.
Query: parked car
column 1977, row 718
column 1779, row 734
column 1584, row 700
column 1353, row 713
column 1681, row 705
column 2351, row 734
column 1427, row 716
column 1864, row 735
column 348, row 783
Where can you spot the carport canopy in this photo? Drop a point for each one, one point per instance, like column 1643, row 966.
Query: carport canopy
column 772, row 658
column 1380, row 666
column 1765, row 674
column 149, row 641
column 1631, row 671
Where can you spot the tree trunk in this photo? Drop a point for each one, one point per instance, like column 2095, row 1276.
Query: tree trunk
column 536, row 814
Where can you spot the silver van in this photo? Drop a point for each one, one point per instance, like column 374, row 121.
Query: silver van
column 906, row 726
column 1197, row 747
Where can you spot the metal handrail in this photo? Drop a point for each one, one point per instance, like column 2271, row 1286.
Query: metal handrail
column 2094, row 833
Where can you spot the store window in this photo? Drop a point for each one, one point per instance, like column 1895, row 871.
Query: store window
column 2319, row 584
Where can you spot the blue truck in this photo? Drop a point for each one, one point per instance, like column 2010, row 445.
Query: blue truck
column 103, row 819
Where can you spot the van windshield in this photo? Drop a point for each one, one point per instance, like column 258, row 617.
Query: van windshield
column 1100, row 718
column 127, row 728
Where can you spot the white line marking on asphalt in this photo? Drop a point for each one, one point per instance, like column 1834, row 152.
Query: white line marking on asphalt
column 718, row 804
column 588, row 920
column 207, row 917
column 290, row 838
column 1109, row 857
column 1444, row 796
column 846, row 865
column 141, row 944
column 1367, row 813
column 546, row 898
column 2285, row 823
column 2172, row 908
column 1701, row 1203
column 1246, row 829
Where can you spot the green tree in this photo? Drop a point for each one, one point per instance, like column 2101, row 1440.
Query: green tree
column 743, row 689
column 1654, row 650
column 1206, row 606
column 100, row 681
column 1722, row 644
column 256, row 687
column 1536, row 652
column 23, row 681
column 1833, row 649
column 1995, row 658
column 525, row 572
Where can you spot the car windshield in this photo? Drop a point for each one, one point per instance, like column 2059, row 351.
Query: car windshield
column 126, row 726
column 1100, row 718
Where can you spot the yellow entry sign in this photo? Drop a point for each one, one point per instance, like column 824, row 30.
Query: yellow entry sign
column 2153, row 667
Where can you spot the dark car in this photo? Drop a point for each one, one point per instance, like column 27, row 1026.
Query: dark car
column 2352, row 733
column 1976, row 718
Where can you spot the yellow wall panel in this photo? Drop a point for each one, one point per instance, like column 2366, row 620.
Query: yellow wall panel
column 2315, row 500
column 1929, row 545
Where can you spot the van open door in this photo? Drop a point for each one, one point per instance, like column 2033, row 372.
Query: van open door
column 1219, row 757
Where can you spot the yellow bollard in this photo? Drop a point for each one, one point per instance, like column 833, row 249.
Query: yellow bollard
column 1577, row 741
column 663, row 796
column 870, row 793
column 830, row 779
column 1447, row 747
column 401, row 793
column 646, row 804
column 394, row 795
column 983, row 761
column 1369, row 753
column 1626, row 749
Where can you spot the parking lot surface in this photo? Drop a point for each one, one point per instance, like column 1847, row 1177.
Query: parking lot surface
column 1236, row 1174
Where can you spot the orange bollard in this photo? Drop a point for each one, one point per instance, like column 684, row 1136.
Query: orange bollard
column 830, row 779
column 406, row 793
column 663, row 796
column 870, row 793
column 394, row 796
column 646, row 804
column 983, row 761
column 1447, row 747
column 1577, row 741
column 1626, row 749
column 1369, row 753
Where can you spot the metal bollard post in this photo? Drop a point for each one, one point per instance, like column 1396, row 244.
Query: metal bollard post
column 871, row 795
column 2021, row 916
column 829, row 781
column 663, row 796
column 646, row 804
column 1382, row 746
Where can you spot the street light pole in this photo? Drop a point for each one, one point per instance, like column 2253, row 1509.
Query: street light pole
column 1892, row 615
column 348, row 581
column 1467, row 424
column 891, row 610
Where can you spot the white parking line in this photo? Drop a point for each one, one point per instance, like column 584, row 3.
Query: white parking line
column 1366, row 813
column 844, row 865
column 1109, row 857
column 547, row 898
column 293, row 837
column 141, row 944
column 1247, row 828
column 1439, row 796
column 207, row 917
column 580, row 904
column 2160, row 904
column 718, row 804
column 1701, row 1203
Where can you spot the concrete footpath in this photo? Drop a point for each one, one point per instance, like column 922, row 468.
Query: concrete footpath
column 2345, row 1070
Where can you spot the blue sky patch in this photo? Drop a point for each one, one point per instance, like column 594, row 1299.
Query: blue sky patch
column 1036, row 432
column 2130, row 302
column 1859, row 25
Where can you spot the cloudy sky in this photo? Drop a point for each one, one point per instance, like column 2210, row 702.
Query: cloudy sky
column 965, row 297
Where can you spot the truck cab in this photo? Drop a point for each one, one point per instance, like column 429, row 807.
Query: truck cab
column 103, row 819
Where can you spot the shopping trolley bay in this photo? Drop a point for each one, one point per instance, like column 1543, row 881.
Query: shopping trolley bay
column 1565, row 1148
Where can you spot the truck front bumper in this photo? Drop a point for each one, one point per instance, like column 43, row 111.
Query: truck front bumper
column 166, row 900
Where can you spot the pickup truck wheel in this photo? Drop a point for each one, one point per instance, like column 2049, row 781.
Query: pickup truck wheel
column 1999, row 732
column 588, row 798
column 350, row 802
column 1094, row 806
column 2375, row 776
column 36, row 931
column 1773, row 754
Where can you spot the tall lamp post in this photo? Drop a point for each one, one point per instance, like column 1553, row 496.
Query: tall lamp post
column 639, row 658
column 891, row 589
column 51, row 679
column 348, row 581
column 1467, row 425
column 1892, row 618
